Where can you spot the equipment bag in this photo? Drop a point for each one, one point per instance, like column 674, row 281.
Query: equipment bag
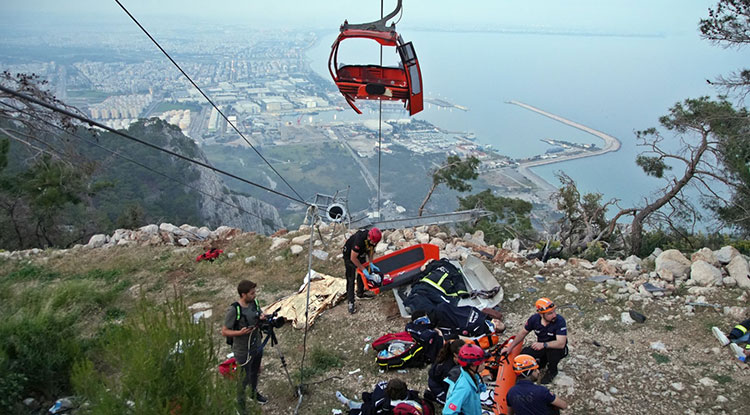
column 397, row 350
column 228, row 368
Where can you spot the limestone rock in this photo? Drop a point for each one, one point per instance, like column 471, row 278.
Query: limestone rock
column 250, row 259
column 422, row 237
column 603, row 266
column 296, row 249
column 277, row 243
column 705, row 254
column 183, row 241
column 704, row 274
column 739, row 269
column 438, row 242
column 97, row 241
column 673, row 261
column 726, row 254
column 381, row 247
column 301, row 240
column 571, row 288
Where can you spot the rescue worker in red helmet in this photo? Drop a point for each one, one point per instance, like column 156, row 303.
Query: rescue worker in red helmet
column 357, row 250
column 528, row 398
column 464, row 382
column 551, row 344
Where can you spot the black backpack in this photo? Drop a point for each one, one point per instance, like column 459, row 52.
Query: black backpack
column 236, row 325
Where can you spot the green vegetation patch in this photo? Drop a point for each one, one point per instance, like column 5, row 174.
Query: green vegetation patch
column 660, row 358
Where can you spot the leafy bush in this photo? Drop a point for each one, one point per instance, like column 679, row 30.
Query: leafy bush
column 36, row 355
column 157, row 362
column 594, row 251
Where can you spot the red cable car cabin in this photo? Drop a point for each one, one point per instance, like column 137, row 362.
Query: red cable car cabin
column 403, row 83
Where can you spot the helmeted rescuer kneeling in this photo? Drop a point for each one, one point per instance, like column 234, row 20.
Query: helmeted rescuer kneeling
column 551, row 344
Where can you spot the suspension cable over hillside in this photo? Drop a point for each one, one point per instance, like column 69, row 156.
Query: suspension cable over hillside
column 138, row 140
column 124, row 157
column 207, row 98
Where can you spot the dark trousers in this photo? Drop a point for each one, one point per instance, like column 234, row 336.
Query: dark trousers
column 250, row 373
column 547, row 357
column 351, row 276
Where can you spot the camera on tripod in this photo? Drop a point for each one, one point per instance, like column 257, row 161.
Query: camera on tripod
column 272, row 321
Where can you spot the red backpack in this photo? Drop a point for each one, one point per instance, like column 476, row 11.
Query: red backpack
column 396, row 350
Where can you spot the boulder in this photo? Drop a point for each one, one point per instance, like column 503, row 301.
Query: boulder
column 704, row 274
column 705, row 254
column 302, row 239
column 168, row 227
column 277, row 243
column 603, row 266
column 433, row 230
column 570, row 287
column 395, row 236
column 226, row 232
column 183, row 241
column 739, row 269
column 203, row 233
column 408, row 234
column 149, row 230
column 673, row 261
column 438, row 242
column 296, row 249
column 381, row 247
column 632, row 263
column 97, row 241
column 120, row 234
column 513, row 245
column 725, row 254
column 422, row 237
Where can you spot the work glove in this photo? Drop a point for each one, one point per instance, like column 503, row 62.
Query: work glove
column 374, row 268
column 367, row 274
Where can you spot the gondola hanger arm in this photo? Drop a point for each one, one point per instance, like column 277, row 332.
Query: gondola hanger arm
column 378, row 25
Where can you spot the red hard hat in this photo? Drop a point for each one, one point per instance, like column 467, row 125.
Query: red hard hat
column 374, row 235
column 471, row 355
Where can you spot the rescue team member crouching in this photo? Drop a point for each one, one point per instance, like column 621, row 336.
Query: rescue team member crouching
column 528, row 398
column 246, row 340
column 465, row 385
column 551, row 344
column 358, row 249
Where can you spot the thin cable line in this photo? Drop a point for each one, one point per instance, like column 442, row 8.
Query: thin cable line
column 118, row 154
column 380, row 121
column 138, row 140
column 206, row 96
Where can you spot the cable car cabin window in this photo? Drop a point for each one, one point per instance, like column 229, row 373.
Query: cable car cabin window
column 416, row 87
column 408, row 56
column 365, row 52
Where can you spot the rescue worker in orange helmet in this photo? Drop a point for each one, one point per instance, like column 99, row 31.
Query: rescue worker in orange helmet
column 528, row 398
column 551, row 344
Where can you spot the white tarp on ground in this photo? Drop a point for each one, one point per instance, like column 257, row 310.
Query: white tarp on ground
column 325, row 292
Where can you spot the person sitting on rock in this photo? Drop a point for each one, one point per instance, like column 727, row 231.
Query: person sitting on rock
column 528, row 398
column 552, row 338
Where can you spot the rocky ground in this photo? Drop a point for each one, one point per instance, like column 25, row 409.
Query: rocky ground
column 670, row 363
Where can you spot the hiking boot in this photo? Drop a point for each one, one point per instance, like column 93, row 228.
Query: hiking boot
column 366, row 295
column 352, row 310
column 260, row 398
column 547, row 378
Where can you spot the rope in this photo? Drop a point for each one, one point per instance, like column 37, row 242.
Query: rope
column 380, row 121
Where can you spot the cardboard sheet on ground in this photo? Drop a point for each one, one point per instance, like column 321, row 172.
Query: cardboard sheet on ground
column 325, row 292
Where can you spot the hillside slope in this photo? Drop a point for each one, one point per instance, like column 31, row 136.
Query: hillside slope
column 669, row 364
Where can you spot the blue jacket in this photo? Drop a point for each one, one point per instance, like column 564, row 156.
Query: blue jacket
column 463, row 395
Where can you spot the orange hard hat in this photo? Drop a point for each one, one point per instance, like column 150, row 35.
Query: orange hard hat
column 544, row 305
column 523, row 363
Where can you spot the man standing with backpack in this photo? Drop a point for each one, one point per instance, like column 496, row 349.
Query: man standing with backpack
column 240, row 329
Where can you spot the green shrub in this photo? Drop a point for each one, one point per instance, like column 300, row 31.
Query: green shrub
column 159, row 361
column 660, row 358
column 321, row 359
column 594, row 251
column 36, row 355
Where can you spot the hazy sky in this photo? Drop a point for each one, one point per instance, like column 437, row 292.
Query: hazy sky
column 632, row 16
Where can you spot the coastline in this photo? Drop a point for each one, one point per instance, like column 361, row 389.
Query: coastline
column 611, row 144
